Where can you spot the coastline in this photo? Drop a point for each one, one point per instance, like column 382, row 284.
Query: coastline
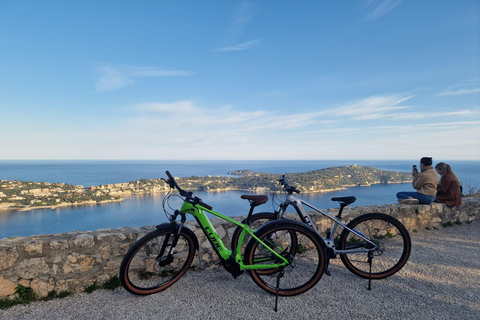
column 16, row 207
column 6, row 207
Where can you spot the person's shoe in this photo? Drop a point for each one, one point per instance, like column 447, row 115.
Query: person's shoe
column 410, row 201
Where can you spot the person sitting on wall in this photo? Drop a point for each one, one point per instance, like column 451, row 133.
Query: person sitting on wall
column 425, row 182
column 448, row 188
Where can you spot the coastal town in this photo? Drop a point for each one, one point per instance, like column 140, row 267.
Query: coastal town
column 23, row 195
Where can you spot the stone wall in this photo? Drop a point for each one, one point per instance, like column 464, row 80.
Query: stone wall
column 72, row 261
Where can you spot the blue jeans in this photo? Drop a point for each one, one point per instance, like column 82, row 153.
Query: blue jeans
column 422, row 198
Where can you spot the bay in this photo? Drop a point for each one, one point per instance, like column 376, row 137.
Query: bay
column 142, row 210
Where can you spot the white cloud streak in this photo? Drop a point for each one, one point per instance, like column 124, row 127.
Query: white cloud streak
column 111, row 78
column 230, row 133
column 241, row 17
column 241, row 46
column 379, row 8
column 458, row 92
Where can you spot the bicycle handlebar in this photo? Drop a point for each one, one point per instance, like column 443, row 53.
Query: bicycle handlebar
column 290, row 189
column 187, row 194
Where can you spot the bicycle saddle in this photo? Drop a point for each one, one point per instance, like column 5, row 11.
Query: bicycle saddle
column 255, row 200
column 346, row 200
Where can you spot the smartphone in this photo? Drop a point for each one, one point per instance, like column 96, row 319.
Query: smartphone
column 415, row 167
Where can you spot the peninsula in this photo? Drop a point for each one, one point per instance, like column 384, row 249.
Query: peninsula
column 29, row 195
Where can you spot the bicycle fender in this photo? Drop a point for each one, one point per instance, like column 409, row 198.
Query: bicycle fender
column 168, row 225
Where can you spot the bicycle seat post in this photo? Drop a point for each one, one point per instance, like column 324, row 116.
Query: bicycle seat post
column 342, row 205
column 254, row 201
column 252, row 206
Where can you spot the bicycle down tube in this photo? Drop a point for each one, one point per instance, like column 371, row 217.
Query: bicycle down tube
column 197, row 212
column 298, row 204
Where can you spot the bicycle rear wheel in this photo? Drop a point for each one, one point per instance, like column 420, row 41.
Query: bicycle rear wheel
column 306, row 258
column 256, row 221
column 391, row 237
column 148, row 268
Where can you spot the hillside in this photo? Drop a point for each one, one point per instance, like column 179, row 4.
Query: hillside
column 25, row 195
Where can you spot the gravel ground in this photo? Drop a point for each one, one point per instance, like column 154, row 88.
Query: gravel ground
column 440, row 281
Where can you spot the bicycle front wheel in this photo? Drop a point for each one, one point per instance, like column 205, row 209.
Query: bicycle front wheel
column 149, row 268
column 392, row 240
column 297, row 243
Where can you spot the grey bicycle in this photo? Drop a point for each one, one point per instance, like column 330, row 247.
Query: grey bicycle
column 372, row 246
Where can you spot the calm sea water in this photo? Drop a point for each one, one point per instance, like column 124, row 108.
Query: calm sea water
column 137, row 211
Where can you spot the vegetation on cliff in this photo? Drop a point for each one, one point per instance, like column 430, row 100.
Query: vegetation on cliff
column 40, row 194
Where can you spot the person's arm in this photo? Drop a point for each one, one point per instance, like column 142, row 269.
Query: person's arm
column 444, row 185
column 418, row 181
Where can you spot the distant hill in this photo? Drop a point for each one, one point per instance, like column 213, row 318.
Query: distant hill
column 27, row 195
column 328, row 179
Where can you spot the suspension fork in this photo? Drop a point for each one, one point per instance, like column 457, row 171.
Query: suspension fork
column 178, row 229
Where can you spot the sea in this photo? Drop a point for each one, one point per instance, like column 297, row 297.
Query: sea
column 146, row 210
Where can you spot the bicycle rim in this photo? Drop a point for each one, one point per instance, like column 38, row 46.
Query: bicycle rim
column 393, row 243
column 307, row 258
column 148, row 269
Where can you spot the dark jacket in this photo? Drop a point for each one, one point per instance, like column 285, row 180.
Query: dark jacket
column 448, row 191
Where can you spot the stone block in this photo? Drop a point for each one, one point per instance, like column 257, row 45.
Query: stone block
column 32, row 268
column 58, row 244
column 42, row 288
column 8, row 256
column 84, row 240
column 7, row 288
column 110, row 237
column 79, row 262
column 34, row 247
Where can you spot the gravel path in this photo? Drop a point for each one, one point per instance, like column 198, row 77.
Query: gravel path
column 440, row 281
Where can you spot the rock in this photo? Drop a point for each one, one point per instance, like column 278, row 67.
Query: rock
column 32, row 268
column 7, row 288
column 8, row 256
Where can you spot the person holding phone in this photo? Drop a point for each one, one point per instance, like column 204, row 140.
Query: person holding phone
column 424, row 181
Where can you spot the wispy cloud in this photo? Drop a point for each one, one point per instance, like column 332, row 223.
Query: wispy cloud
column 458, row 92
column 465, row 87
column 111, row 78
column 241, row 46
column 241, row 18
column 374, row 107
column 379, row 8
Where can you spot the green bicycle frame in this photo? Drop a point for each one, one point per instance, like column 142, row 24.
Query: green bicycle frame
column 223, row 252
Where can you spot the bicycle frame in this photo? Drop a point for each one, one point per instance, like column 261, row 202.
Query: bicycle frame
column 197, row 211
column 298, row 204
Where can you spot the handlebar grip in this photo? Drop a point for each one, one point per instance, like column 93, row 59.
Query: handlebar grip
column 169, row 175
column 203, row 204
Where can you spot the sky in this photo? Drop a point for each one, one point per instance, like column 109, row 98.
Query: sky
column 239, row 80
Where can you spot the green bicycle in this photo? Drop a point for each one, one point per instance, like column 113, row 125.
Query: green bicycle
column 283, row 257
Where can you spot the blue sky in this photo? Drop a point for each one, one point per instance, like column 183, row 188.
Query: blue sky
column 240, row 79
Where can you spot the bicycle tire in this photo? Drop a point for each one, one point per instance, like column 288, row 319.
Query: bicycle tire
column 256, row 221
column 143, row 271
column 391, row 236
column 307, row 260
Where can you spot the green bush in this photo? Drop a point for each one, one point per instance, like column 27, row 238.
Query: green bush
column 113, row 283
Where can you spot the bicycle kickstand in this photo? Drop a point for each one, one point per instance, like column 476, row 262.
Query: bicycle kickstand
column 280, row 275
column 370, row 258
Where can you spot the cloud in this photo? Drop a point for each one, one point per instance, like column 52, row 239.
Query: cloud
column 373, row 107
column 242, row 16
column 111, row 78
column 458, row 92
column 379, row 8
column 241, row 46
column 186, row 128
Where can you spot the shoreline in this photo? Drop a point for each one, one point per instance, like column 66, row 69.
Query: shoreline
column 16, row 207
